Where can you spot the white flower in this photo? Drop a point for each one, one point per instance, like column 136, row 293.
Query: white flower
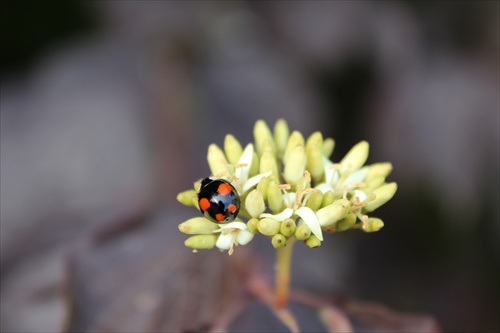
column 296, row 204
column 234, row 233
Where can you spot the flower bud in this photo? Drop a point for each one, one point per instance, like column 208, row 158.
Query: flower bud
column 216, row 160
column 296, row 139
column 327, row 148
column 313, row 242
column 281, row 134
column 375, row 170
column 346, row 223
column 315, row 200
column 303, row 232
column 356, row 157
column 198, row 225
column 252, row 225
column 186, row 197
column 274, row 197
column 315, row 139
column 254, row 203
column 278, row 241
column 295, row 165
column 332, row 213
column 288, row 227
column 202, row 242
column 373, row 184
column 268, row 163
column 261, row 133
column 254, row 167
column 262, row 186
column 315, row 162
column 328, row 199
column 268, row 226
column 233, row 149
column 374, row 224
column 382, row 194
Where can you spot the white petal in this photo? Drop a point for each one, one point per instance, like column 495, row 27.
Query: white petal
column 224, row 242
column 245, row 160
column 234, row 225
column 254, row 181
column 244, row 237
column 310, row 220
column 279, row 217
column 357, row 176
column 323, row 187
column 360, row 195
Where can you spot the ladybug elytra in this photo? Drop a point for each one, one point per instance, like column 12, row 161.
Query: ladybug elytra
column 218, row 200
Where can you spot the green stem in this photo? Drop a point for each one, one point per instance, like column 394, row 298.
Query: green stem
column 283, row 270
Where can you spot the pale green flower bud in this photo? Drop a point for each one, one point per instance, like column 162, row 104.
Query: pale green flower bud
column 261, row 133
column 254, row 203
column 254, row 168
column 198, row 225
column 252, row 225
column 216, row 160
column 382, row 194
column 313, row 242
column 278, row 241
column 295, row 165
column 288, row 227
column 269, row 227
column 186, row 197
column 315, row 162
column 303, row 232
column 332, row 213
column 377, row 170
column 268, row 163
column 274, row 197
column 315, row 200
column 233, row 149
column 315, row 139
column 281, row 134
column 262, row 186
column 356, row 157
column 328, row 199
column 268, row 146
column 201, row 242
column 327, row 148
column 296, row 139
column 373, row 184
column 346, row 223
column 374, row 224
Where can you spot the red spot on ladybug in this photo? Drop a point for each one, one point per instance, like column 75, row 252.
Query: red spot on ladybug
column 204, row 204
column 232, row 208
column 218, row 200
column 224, row 189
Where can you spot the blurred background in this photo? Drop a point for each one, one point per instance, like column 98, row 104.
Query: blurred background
column 107, row 109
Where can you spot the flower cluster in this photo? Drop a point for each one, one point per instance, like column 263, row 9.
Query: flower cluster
column 289, row 188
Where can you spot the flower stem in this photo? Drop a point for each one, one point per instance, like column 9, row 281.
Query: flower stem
column 283, row 270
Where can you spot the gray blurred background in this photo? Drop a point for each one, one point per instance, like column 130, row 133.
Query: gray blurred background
column 107, row 109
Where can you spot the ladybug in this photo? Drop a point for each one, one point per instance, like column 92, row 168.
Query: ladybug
column 218, row 200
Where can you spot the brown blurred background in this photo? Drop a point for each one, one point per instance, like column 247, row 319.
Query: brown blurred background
column 107, row 109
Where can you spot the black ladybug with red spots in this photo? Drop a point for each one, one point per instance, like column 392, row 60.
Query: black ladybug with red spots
column 218, row 200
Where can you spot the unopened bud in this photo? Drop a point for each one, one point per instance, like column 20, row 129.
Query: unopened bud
column 328, row 199
column 295, row 165
column 313, row 242
column 274, row 197
column 252, row 225
column 332, row 213
column 268, row 163
column 327, row 148
column 233, row 149
column 268, row 226
column 315, row 200
column 374, row 224
column 303, row 232
column 254, row 203
column 261, row 133
column 315, row 162
column 288, row 227
column 281, row 134
column 278, row 241
column 382, row 194
column 201, row 242
column 198, row 225
column 216, row 160
column 375, row 170
column 186, row 197
column 356, row 157
column 346, row 223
